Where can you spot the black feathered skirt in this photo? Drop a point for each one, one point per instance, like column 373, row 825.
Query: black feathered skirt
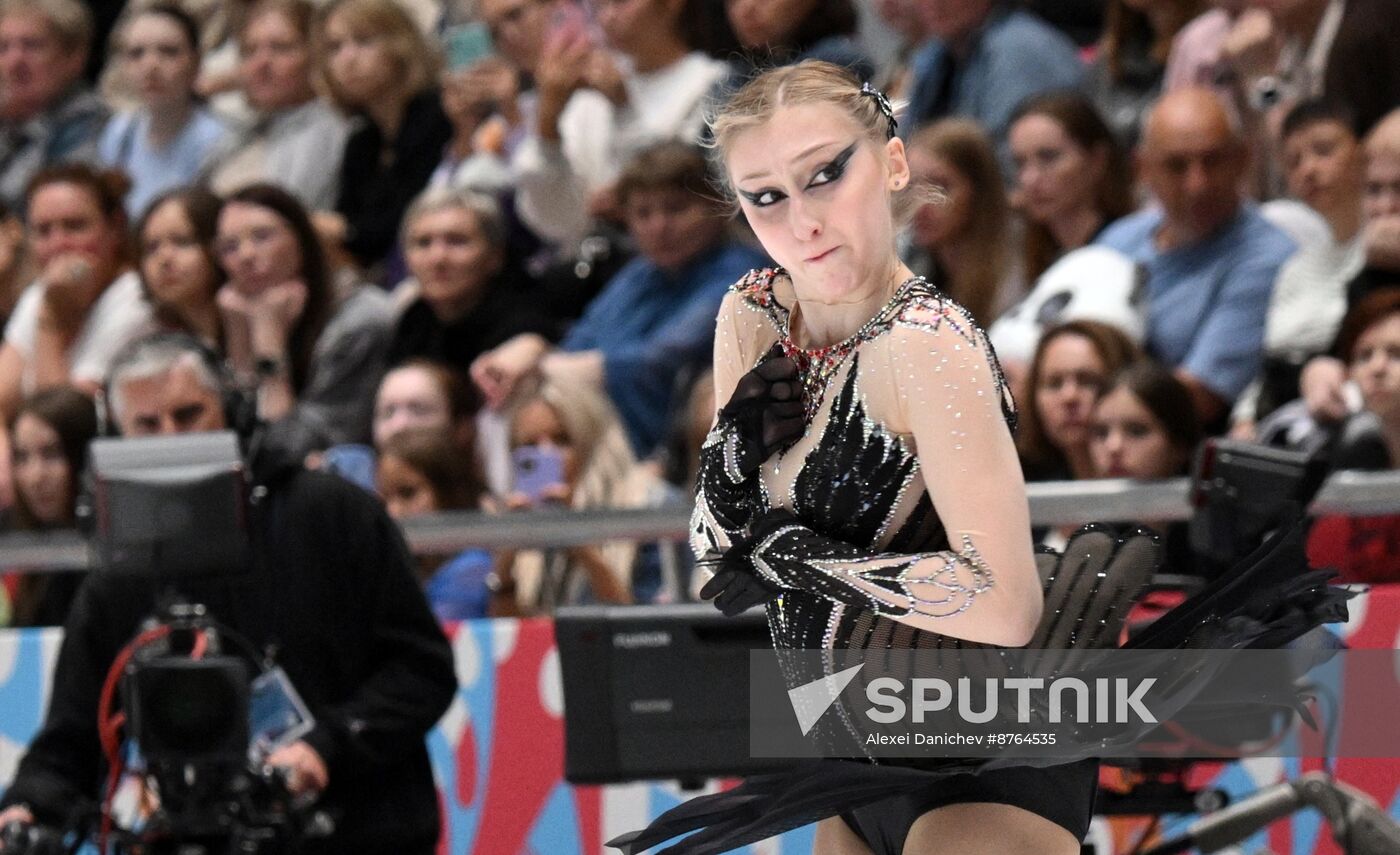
column 1267, row 601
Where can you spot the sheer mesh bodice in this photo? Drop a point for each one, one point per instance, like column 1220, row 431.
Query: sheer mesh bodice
column 906, row 480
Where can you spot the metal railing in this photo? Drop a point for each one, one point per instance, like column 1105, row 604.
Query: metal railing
column 1051, row 503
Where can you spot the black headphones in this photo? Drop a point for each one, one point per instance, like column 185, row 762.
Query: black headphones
column 240, row 409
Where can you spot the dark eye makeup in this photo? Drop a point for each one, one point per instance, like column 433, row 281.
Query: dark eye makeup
column 828, row 173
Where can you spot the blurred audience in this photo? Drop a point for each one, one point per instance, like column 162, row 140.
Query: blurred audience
column 1144, row 428
column 1281, row 52
column 86, row 302
column 1370, row 344
column 309, row 344
column 1364, row 548
column 465, row 297
column 779, row 32
column 179, row 274
column 1324, row 165
column 378, row 67
column 981, row 59
column 421, row 393
column 603, row 96
column 1072, row 366
column 423, row 471
column 1072, row 177
column 1126, row 75
column 1211, row 258
column 50, row 432
column 169, row 139
column 569, row 450
column 962, row 240
column 1197, row 57
column 297, row 139
column 47, row 113
column 416, row 394
column 16, row 266
column 1381, row 233
column 905, row 19
column 518, row 30
column 1081, row 20
column 1143, row 425
column 474, row 101
column 502, row 161
column 655, row 320
column 1323, row 381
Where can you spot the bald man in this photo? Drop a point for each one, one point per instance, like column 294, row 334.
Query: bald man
column 1211, row 258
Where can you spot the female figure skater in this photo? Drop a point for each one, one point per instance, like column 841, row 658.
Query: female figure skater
column 861, row 478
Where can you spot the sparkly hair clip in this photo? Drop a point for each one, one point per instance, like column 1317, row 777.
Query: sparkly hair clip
column 883, row 103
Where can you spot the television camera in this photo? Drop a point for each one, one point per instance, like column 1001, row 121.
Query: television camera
column 184, row 724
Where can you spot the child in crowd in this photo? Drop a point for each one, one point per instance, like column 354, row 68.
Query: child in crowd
column 423, row 471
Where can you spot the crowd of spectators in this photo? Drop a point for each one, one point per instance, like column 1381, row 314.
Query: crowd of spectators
column 472, row 252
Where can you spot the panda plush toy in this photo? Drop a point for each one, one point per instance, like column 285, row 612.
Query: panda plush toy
column 1092, row 283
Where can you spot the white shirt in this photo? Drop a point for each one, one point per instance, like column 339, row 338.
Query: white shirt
column 597, row 139
column 300, row 148
column 120, row 314
column 1306, row 308
column 1310, row 297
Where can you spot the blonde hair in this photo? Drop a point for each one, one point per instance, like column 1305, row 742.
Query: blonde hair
column 963, row 145
column 416, row 59
column 807, row 82
column 609, row 475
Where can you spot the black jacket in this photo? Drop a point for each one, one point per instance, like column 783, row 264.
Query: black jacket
column 511, row 303
column 378, row 177
column 331, row 589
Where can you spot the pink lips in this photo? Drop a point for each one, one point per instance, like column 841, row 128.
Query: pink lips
column 822, row 255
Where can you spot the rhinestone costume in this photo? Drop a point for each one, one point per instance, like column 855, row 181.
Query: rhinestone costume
column 872, row 548
column 917, row 391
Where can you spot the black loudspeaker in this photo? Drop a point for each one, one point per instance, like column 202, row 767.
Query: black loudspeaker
column 191, row 710
column 657, row 692
column 1240, row 491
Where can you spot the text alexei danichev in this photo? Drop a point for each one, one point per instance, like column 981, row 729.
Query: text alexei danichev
column 996, row 739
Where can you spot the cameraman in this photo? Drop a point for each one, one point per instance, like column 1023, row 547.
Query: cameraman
column 329, row 589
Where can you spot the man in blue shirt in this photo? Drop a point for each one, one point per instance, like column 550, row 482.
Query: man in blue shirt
column 655, row 320
column 982, row 59
column 1211, row 258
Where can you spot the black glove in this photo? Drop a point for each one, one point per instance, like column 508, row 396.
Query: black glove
column 735, row 591
column 766, row 410
column 736, row 588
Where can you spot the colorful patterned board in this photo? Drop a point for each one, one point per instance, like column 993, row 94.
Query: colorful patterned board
column 498, row 752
